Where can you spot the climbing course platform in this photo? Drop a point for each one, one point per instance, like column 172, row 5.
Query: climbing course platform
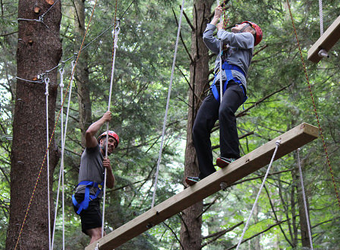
column 325, row 42
column 260, row 157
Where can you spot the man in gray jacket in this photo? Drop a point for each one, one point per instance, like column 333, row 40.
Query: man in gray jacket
column 237, row 51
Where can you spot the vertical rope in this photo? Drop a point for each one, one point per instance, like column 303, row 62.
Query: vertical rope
column 167, row 106
column 47, row 80
column 321, row 17
column 258, row 194
column 52, row 135
column 61, row 85
column 314, row 107
column 115, row 41
column 304, row 201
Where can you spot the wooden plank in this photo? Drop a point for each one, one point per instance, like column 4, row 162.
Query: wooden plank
column 249, row 163
column 326, row 41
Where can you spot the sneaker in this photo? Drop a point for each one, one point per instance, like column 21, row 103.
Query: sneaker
column 223, row 162
column 192, row 180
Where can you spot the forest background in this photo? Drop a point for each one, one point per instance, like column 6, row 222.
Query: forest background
column 279, row 99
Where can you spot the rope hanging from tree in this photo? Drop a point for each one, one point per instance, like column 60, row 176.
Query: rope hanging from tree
column 278, row 142
column 63, row 140
column 167, row 105
column 51, row 137
column 47, row 81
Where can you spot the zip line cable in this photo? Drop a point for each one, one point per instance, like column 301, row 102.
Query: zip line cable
column 115, row 41
column 278, row 143
column 314, row 106
column 52, row 135
column 167, row 105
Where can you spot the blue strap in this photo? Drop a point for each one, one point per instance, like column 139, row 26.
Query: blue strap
column 87, row 197
column 228, row 68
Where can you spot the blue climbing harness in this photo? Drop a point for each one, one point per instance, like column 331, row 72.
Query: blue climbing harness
column 87, row 197
column 228, row 68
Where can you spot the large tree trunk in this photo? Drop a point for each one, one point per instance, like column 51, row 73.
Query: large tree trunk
column 82, row 73
column 39, row 50
column 199, row 75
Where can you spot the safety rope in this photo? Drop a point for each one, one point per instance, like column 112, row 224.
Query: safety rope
column 63, row 139
column 314, row 107
column 223, row 20
column 167, row 105
column 304, row 200
column 321, row 17
column 278, row 143
column 47, row 81
column 115, row 41
column 61, row 85
column 52, row 135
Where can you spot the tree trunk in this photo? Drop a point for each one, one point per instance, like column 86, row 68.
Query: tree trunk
column 39, row 50
column 302, row 212
column 82, row 73
column 199, row 75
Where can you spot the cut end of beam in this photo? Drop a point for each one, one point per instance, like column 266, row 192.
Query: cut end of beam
column 325, row 42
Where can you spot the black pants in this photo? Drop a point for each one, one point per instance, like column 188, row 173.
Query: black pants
column 209, row 112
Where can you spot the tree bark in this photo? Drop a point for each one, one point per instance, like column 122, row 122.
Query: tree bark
column 199, row 75
column 82, row 73
column 39, row 50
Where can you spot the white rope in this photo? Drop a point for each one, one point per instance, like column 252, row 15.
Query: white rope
column 47, row 80
column 63, row 140
column 62, row 153
column 278, row 142
column 221, row 82
column 304, row 201
column 167, row 105
column 115, row 46
column 321, row 17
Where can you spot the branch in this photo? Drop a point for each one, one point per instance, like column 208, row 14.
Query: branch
column 261, row 100
column 255, row 235
column 219, row 234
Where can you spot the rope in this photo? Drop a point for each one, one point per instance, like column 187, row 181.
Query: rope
column 321, row 17
column 47, row 81
column 304, row 201
column 278, row 142
column 62, row 160
column 314, row 107
column 115, row 41
column 63, row 139
column 167, row 105
column 52, row 135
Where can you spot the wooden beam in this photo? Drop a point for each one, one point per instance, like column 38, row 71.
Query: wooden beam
column 289, row 141
column 326, row 41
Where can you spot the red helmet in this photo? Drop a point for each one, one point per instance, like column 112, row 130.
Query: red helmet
column 258, row 31
column 112, row 134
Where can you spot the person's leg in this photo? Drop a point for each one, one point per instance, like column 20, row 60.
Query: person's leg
column 94, row 233
column 91, row 220
column 232, row 100
column 204, row 122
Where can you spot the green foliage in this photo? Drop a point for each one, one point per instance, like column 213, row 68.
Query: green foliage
column 142, row 74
